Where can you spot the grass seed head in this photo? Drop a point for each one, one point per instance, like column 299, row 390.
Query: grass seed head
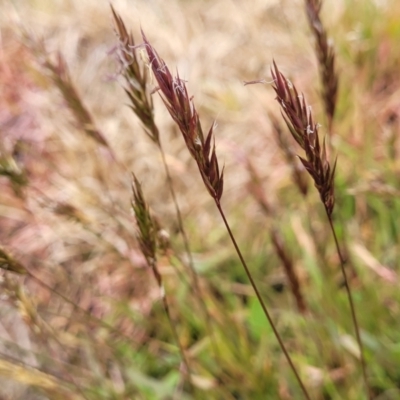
column 59, row 73
column 180, row 106
column 136, row 78
column 326, row 57
column 298, row 117
column 9, row 263
column 147, row 234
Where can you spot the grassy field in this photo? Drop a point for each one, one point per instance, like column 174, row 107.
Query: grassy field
column 116, row 286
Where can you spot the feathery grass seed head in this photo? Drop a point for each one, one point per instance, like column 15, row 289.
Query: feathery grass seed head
column 326, row 57
column 147, row 234
column 136, row 78
column 174, row 94
column 298, row 117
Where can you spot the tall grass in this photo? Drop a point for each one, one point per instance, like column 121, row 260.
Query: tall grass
column 152, row 291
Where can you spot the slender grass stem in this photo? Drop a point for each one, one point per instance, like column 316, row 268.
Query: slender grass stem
column 180, row 105
column 261, row 301
column 158, row 278
column 99, row 321
column 352, row 308
column 147, row 237
column 188, row 251
column 173, row 328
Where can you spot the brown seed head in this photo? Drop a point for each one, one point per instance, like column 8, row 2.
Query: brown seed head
column 298, row 117
column 326, row 57
column 180, row 106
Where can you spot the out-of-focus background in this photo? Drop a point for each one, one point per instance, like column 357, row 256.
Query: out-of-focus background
column 86, row 321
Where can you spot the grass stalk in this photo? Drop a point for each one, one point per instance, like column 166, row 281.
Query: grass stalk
column 352, row 307
column 174, row 94
column 261, row 301
column 147, row 236
column 137, row 89
column 186, row 244
column 299, row 120
column 9, row 263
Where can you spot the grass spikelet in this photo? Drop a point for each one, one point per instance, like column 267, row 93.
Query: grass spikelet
column 136, row 79
column 9, row 263
column 182, row 110
column 147, row 227
column 180, row 106
column 326, row 59
column 141, row 102
column 57, row 70
column 298, row 117
column 147, row 237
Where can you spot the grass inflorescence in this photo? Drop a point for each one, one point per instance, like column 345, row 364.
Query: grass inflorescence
column 167, row 232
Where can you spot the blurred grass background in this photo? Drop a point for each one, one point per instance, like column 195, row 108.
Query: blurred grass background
column 65, row 206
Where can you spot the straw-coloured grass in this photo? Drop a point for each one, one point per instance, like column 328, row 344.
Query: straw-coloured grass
column 114, row 291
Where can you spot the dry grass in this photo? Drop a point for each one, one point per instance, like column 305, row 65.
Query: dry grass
column 81, row 313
